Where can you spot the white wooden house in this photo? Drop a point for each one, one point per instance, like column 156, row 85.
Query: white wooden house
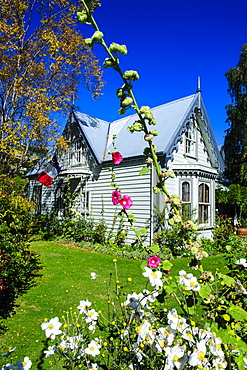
column 185, row 145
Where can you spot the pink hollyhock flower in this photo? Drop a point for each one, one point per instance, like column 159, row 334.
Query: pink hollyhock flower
column 117, row 157
column 153, row 261
column 116, row 196
column 126, row 202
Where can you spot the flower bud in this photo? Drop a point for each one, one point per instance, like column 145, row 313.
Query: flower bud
column 146, row 151
column 126, row 102
column 114, row 47
column 82, row 17
column 149, row 160
column 88, row 42
column 154, row 132
column 131, row 75
column 108, row 62
column 97, row 36
column 148, row 137
column 121, row 111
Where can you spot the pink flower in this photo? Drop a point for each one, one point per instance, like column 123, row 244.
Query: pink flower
column 167, row 271
column 153, row 261
column 126, row 202
column 116, row 196
column 117, row 157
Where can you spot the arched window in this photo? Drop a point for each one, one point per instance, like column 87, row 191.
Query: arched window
column 77, row 151
column 186, row 198
column 203, row 203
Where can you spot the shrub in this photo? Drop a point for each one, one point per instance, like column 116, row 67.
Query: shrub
column 18, row 265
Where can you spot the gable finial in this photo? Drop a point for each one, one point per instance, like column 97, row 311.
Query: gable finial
column 198, row 84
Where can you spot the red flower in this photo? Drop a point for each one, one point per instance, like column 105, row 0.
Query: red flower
column 116, row 196
column 126, row 202
column 117, row 157
column 153, row 262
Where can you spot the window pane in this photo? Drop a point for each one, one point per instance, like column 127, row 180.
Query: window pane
column 185, row 191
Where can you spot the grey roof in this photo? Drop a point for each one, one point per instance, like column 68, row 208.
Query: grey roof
column 95, row 131
column 171, row 121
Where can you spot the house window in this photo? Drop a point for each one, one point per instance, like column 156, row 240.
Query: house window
column 203, row 203
column 37, row 196
column 190, row 140
column 186, row 198
column 76, row 155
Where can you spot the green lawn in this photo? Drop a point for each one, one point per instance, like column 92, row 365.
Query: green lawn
column 63, row 282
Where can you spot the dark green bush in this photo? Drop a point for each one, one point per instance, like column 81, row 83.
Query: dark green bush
column 18, row 265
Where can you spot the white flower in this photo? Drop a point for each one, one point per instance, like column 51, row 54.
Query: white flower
column 25, row 365
column 173, row 318
column 143, row 330
column 219, row 363
column 242, row 261
column 51, row 328
column 197, row 358
column 51, row 351
column 154, row 277
column 166, row 336
column 189, row 280
column 239, row 287
column 83, row 306
column 91, row 316
column 215, row 347
column 187, row 334
column 93, row 348
column 93, row 366
column 93, row 275
column 174, row 354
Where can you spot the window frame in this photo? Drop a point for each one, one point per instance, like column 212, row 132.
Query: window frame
column 191, row 139
column 204, row 205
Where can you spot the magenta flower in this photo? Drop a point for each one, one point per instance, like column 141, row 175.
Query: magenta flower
column 116, row 196
column 117, row 157
column 153, row 261
column 126, row 202
column 167, row 271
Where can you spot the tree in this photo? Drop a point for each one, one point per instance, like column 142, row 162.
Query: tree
column 43, row 58
column 235, row 144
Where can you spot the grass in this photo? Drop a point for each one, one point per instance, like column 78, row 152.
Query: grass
column 63, row 282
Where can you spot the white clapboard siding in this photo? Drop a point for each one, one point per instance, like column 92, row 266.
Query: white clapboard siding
column 131, row 183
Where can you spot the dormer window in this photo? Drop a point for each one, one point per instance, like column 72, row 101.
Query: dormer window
column 77, row 152
column 190, row 139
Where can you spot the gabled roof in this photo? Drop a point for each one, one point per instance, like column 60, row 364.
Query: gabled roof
column 171, row 121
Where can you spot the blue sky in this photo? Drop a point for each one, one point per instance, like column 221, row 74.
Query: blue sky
column 170, row 44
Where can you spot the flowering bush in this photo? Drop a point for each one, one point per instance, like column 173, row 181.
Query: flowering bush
column 143, row 331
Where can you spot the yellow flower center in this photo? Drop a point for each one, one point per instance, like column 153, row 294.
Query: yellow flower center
column 153, row 274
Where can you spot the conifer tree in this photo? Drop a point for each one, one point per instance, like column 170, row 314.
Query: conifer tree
column 235, row 144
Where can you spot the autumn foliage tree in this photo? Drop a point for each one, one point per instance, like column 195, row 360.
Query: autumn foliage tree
column 43, row 59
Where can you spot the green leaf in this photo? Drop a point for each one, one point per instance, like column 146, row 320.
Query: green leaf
column 205, row 291
column 154, row 248
column 238, row 313
column 227, row 279
column 167, row 265
column 144, row 170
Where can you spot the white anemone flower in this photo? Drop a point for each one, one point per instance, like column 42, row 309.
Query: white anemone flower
column 173, row 318
column 93, row 348
column 242, row 261
column 84, row 305
column 197, row 357
column 93, row 275
column 51, row 328
column 26, row 364
column 91, row 316
column 174, row 354
column 192, row 284
column 219, row 363
column 93, row 366
column 215, row 347
column 143, row 330
column 166, row 336
column 154, row 277
column 50, row 351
